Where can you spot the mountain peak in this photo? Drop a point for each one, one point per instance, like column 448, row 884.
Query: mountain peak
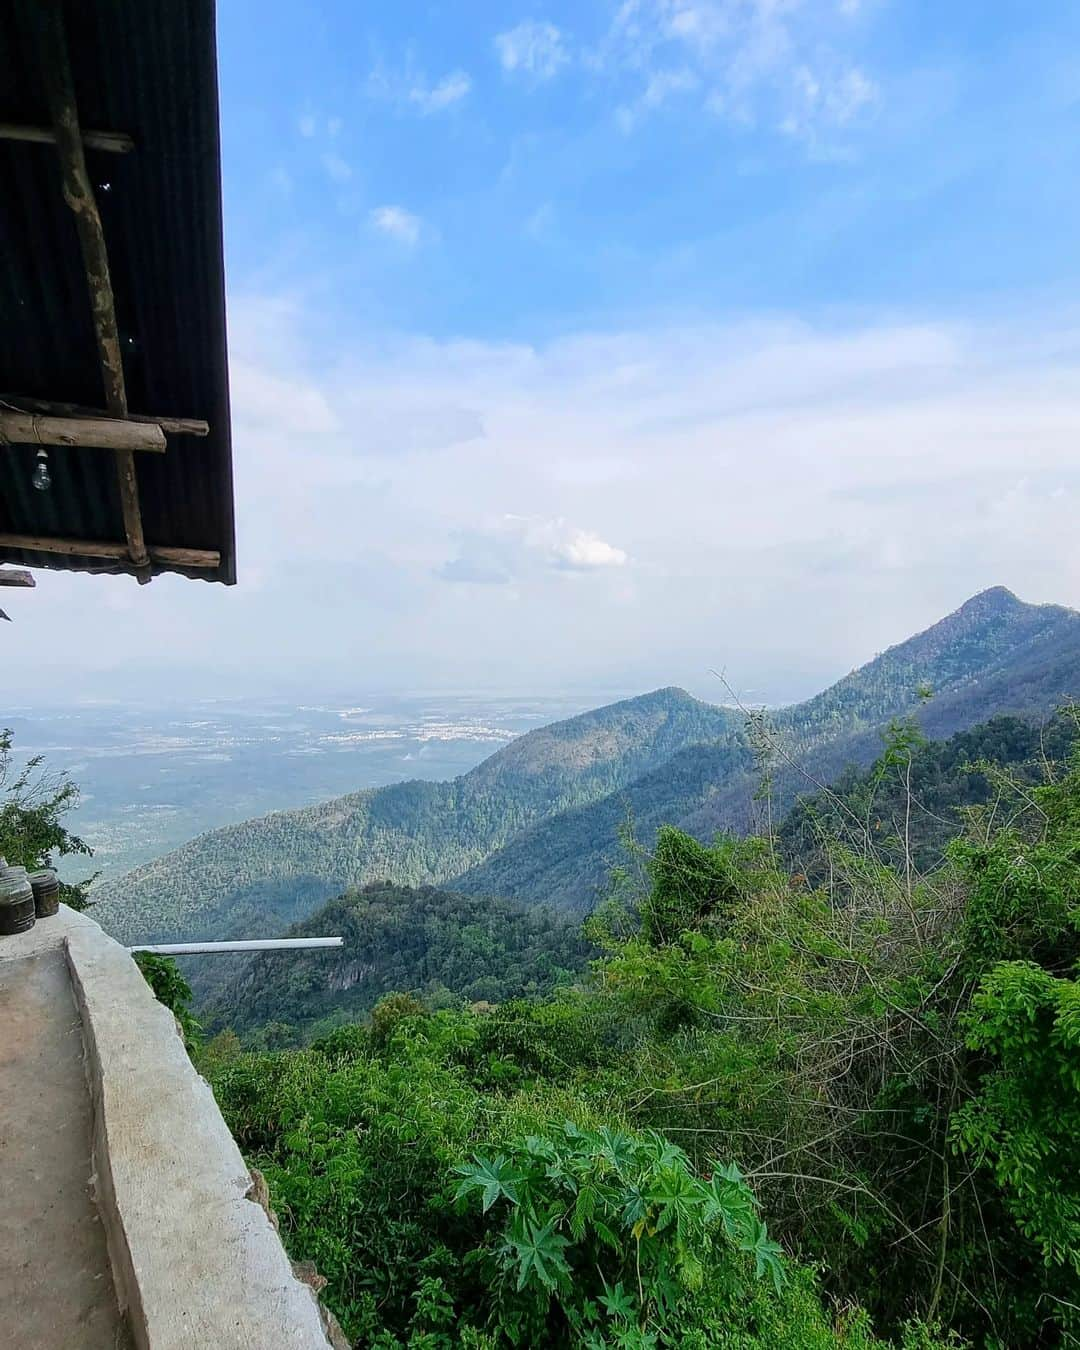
column 994, row 600
column 669, row 694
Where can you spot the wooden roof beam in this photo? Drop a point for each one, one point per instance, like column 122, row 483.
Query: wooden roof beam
column 99, row 548
column 118, row 142
column 172, row 426
column 48, row 19
column 105, row 433
column 16, row 576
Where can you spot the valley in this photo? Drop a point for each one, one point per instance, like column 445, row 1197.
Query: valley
column 539, row 821
column 153, row 776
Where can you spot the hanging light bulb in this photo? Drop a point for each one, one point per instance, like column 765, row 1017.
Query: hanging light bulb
column 42, row 478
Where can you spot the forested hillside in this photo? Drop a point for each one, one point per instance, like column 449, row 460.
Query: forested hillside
column 886, row 813
column 264, row 874
column 994, row 655
column 442, row 948
column 777, row 1114
column 539, row 820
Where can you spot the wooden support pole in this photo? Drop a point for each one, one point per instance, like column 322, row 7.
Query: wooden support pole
column 79, row 195
column 118, row 142
column 106, row 433
column 16, row 576
column 98, row 548
column 172, row 426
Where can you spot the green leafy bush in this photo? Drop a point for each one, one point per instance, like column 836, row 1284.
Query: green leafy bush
column 33, row 802
column 163, row 976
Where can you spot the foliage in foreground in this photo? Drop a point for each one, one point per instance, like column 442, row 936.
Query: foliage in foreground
column 163, row 976
column 887, row 1066
column 567, row 1229
column 32, row 804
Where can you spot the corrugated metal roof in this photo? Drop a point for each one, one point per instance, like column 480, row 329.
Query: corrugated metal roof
column 148, row 69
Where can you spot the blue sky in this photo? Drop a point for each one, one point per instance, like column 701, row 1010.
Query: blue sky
column 601, row 344
column 581, row 164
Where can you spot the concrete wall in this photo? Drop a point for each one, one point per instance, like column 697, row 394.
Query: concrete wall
column 196, row 1262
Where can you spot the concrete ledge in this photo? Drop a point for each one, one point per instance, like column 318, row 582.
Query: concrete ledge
column 196, row 1263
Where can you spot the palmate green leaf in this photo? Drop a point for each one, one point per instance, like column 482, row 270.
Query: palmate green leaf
column 538, row 1252
column 676, row 1196
column 536, row 1146
column 635, row 1206
column 767, row 1254
column 730, row 1172
column 493, row 1177
column 606, row 1235
column 617, row 1303
column 691, row 1270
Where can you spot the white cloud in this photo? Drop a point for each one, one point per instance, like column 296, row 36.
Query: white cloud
column 663, row 83
column 823, row 104
column 340, row 170
column 306, row 125
column 773, row 497
column 396, row 222
column 536, row 49
column 408, row 87
column 540, row 224
column 450, row 89
column 515, row 547
column 581, row 550
column 660, row 87
column 777, row 64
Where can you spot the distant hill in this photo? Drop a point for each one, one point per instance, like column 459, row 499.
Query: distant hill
column 260, row 876
column 436, row 945
column 539, row 820
column 995, row 655
column 442, row 946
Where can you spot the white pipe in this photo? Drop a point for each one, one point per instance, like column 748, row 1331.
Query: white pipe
column 259, row 945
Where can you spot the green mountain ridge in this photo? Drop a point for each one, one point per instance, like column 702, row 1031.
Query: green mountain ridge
column 261, row 875
column 995, row 655
column 539, row 820
column 444, row 946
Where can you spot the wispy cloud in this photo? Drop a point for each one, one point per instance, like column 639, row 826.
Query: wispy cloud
column 337, row 168
column 787, row 67
column 398, row 223
column 771, row 496
column 512, row 548
column 281, row 180
column 410, row 88
column 660, row 86
column 823, row 103
column 433, row 98
column 534, row 49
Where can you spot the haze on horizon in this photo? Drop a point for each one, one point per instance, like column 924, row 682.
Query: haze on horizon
column 594, row 346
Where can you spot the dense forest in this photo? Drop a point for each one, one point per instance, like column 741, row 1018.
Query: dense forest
column 917, row 814
column 442, row 948
column 446, row 947
column 777, row 1112
column 540, row 820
